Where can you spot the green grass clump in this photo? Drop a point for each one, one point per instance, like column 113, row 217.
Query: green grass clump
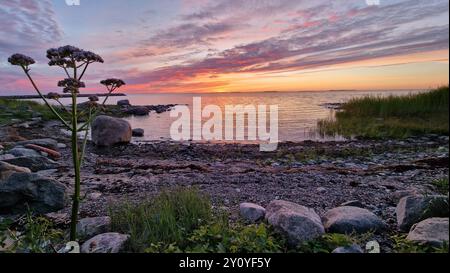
column 393, row 116
column 441, row 185
column 22, row 109
column 402, row 245
column 168, row 218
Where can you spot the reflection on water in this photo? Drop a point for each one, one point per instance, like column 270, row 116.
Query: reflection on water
column 298, row 111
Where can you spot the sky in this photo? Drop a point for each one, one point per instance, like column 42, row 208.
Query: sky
column 233, row 45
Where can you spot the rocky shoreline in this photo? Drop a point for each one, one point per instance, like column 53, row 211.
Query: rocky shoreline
column 370, row 174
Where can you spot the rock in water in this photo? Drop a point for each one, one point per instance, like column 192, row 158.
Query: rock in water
column 89, row 227
column 109, row 131
column 34, row 163
column 252, row 212
column 105, row 243
column 348, row 220
column 413, row 209
column 42, row 195
column 138, row 111
column 297, row 222
column 6, row 170
column 138, row 132
column 123, row 103
column 432, row 231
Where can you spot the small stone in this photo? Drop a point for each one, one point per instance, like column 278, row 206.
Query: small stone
column 298, row 223
column 138, row 132
column 432, row 231
column 348, row 249
column 348, row 220
column 397, row 195
column 23, row 152
column 252, row 212
column 35, row 163
column 413, row 209
column 6, row 157
column 138, row 111
column 353, row 203
column 44, row 142
column 321, row 190
column 6, row 170
column 89, row 227
column 105, row 243
column 94, row 195
column 61, row 146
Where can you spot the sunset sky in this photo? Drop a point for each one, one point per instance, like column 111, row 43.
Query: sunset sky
column 233, row 45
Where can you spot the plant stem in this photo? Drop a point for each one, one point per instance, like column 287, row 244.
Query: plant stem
column 76, row 165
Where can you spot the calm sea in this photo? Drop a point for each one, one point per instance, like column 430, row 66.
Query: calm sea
column 298, row 111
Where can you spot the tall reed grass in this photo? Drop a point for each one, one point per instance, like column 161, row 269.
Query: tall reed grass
column 392, row 117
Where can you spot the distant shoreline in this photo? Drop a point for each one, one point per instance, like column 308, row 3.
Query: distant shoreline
column 29, row 97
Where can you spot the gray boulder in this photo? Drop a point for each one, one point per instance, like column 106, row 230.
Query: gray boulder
column 40, row 194
column 89, row 227
column 413, row 209
column 6, row 170
column 23, row 152
column 348, row 249
column 297, row 222
column 44, row 142
column 252, row 212
column 109, row 131
column 432, row 231
column 34, row 163
column 105, row 243
column 348, row 220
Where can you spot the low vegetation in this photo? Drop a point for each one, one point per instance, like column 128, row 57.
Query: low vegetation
column 22, row 110
column 392, row 117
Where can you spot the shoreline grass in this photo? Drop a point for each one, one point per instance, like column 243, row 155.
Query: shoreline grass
column 22, row 110
column 392, row 117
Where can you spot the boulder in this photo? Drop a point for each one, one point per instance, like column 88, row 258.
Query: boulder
column 23, row 152
column 40, row 194
column 109, row 131
column 123, row 103
column 297, row 222
column 89, row 227
column 34, row 163
column 252, row 212
column 348, row 220
column 348, row 249
column 138, row 132
column 138, row 111
column 413, row 209
column 44, row 142
column 105, row 243
column 432, row 231
column 6, row 170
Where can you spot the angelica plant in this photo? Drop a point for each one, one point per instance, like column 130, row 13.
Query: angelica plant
column 74, row 62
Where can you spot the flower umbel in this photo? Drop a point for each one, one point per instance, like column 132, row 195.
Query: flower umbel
column 71, row 85
column 21, row 60
column 112, row 84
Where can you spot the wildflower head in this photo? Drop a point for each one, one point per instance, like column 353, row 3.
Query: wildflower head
column 71, row 85
column 21, row 60
column 112, row 84
column 67, row 56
